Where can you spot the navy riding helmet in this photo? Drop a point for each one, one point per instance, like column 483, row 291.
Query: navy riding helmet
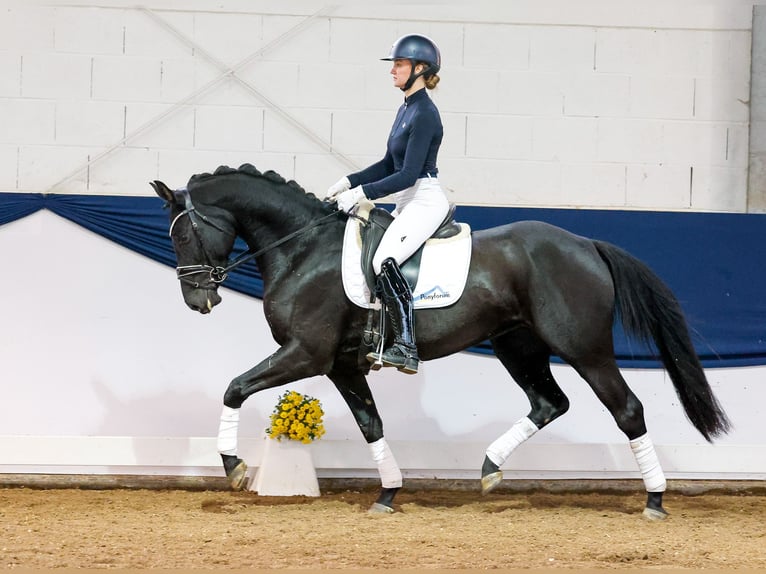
column 416, row 48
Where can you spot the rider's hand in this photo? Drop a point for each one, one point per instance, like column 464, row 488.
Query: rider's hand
column 336, row 189
column 348, row 199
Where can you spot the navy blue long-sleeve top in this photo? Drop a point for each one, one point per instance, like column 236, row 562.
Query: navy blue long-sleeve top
column 411, row 150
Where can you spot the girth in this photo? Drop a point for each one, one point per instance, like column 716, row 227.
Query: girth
column 378, row 221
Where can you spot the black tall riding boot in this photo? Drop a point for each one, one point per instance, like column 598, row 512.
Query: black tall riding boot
column 397, row 297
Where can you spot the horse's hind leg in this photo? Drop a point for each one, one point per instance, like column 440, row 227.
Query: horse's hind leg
column 527, row 359
column 610, row 387
column 356, row 392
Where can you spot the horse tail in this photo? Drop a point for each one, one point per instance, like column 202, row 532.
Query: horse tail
column 650, row 312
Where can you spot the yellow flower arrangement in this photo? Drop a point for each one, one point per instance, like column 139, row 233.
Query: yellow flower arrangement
column 296, row 417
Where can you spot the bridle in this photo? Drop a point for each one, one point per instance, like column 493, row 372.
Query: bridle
column 216, row 273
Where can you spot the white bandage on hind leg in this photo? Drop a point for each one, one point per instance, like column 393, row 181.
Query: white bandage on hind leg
column 499, row 451
column 227, row 431
column 648, row 463
column 390, row 474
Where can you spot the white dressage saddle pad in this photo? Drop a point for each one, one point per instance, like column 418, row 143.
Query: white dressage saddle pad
column 443, row 267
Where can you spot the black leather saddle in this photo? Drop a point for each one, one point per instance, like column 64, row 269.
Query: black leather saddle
column 372, row 232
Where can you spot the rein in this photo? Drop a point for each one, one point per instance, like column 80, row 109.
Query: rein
column 216, row 273
column 247, row 256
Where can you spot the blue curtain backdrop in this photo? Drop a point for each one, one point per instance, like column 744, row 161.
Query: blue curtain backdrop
column 713, row 262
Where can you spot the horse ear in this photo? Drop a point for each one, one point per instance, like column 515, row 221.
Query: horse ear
column 163, row 191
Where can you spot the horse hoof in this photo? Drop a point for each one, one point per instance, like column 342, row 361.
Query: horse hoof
column 655, row 513
column 490, row 481
column 378, row 508
column 238, row 476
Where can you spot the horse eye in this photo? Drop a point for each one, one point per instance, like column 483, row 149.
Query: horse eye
column 181, row 238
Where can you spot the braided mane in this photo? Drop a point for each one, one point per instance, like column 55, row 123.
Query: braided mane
column 251, row 170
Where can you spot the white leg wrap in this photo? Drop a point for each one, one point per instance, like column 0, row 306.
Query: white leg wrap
column 227, row 431
column 499, row 451
column 390, row 474
column 648, row 463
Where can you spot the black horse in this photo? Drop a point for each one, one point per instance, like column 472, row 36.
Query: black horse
column 534, row 290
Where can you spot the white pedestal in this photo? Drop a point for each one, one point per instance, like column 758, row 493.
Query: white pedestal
column 287, row 469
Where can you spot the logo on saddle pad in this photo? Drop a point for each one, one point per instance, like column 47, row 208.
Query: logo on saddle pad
column 437, row 274
column 435, row 293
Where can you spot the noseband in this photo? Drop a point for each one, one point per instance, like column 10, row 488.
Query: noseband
column 215, row 273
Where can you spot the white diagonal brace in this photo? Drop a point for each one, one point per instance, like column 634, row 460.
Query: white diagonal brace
column 250, row 87
column 226, row 73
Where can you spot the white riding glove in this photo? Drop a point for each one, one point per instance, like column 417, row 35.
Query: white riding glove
column 348, row 199
column 334, row 190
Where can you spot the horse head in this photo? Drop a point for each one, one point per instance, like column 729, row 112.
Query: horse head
column 202, row 241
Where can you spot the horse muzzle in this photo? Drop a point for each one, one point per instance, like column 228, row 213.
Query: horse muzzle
column 201, row 300
column 199, row 285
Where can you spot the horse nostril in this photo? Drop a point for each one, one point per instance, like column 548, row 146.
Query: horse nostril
column 198, row 308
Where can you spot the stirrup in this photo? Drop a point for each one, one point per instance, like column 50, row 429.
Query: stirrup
column 375, row 360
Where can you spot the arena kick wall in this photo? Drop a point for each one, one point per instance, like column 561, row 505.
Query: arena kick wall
column 599, row 105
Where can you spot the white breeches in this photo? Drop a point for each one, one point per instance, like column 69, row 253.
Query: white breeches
column 419, row 211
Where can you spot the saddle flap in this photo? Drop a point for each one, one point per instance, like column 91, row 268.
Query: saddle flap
column 378, row 220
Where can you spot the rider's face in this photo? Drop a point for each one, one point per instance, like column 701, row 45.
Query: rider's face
column 400, row 72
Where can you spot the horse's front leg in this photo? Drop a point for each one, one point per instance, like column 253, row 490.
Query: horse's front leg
column 289, row 363
column 354, row 389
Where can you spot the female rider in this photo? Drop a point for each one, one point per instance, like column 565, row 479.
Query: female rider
column 409, row 171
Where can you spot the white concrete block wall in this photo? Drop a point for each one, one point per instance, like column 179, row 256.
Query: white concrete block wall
column 40, row 167
column 8, row 167
column 757, row 175
column 606, row 105
column 104, row 34
column 10, row 75
column 228, row 128
column 116, row 173
column 278, row 81
column 539, row 95
column 652, row 186
column 282, row 136
column 27, row 29
column 363, row 132
column 145, row 37
column 89, row 122
column 176, row 133
column 489, row 46
column 28, row 121
column 116, row 78
column 561, row 49
column 53, row 76
column 228, row 37
column 565, row 139
column 514, row 139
